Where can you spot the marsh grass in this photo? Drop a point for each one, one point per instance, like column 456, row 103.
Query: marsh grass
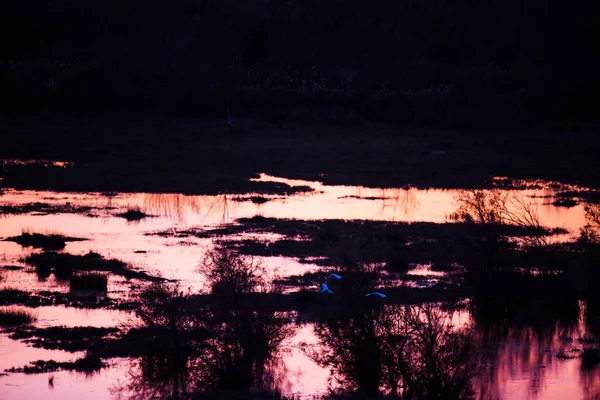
column 11, row 316
column 88, row 365
column 42, row 240
column 253, row 199
column 89, row 281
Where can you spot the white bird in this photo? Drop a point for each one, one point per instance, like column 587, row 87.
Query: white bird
column 325, row 289
column 378, row 294
column 336, row 276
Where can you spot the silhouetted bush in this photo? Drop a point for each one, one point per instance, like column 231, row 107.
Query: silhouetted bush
column 411, row 350
column 225, row 347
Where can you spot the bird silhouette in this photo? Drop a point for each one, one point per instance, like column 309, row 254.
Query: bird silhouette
column 378, row 294
column 336, row 276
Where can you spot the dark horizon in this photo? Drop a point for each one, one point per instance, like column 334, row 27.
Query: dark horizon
column 432, row 63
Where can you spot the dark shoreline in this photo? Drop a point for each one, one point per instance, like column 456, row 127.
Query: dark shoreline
column 194, row 156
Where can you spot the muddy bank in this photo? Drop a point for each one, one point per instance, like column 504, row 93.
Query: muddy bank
column 88, row 365
column 42, row 241
column 100, row 342
column 63, row 265
column 45, row 209
column 338, row 242
column 199, row 156
column 572, row 197
column 10, row 297
column 61, row 338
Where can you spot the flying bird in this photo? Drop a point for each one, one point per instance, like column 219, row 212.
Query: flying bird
column 426, row 284
column 336, row 276
column 325, row 289
column 378, row 294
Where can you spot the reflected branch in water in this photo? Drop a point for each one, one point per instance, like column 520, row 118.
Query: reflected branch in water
column 590, row 382
column 180, row 206
column 412, row 351
column 404, row 200
column 226, row 344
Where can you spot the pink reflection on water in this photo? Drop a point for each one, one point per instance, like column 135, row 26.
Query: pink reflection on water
column 525, row 365
column 305, row 376
column 400, row 204
column 17, row 354
column 48, row 316
column 66, row 385
column 516, row 375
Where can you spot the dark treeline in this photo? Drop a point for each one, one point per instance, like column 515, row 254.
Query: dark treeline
column 433, row 61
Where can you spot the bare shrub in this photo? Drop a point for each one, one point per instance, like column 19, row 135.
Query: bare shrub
column 228, row 272
column 409, row 350
column 496, row 207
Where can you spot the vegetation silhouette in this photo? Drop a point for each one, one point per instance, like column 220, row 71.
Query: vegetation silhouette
column 224, row 347
column 410, row 351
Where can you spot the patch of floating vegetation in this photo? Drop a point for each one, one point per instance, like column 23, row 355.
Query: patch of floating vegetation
column 44, row 209
column 569, row 196
column 281, row 188
column 253, row 199
column 10, row 296
column 88, row 364
column 72, row 339
column 133, row 214
column 565, row 202
column 50, row 241
column 12, row 267
column 366, row 197
column 103, row 342
column 63, row 265
column 11, row 316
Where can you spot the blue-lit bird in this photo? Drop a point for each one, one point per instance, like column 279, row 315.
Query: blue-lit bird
column 426, row 284
column 229, row 120
column 325, row 289
column 334, row 276
column 378, row 294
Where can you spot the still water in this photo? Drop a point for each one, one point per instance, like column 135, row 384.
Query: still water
column 519, row 364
